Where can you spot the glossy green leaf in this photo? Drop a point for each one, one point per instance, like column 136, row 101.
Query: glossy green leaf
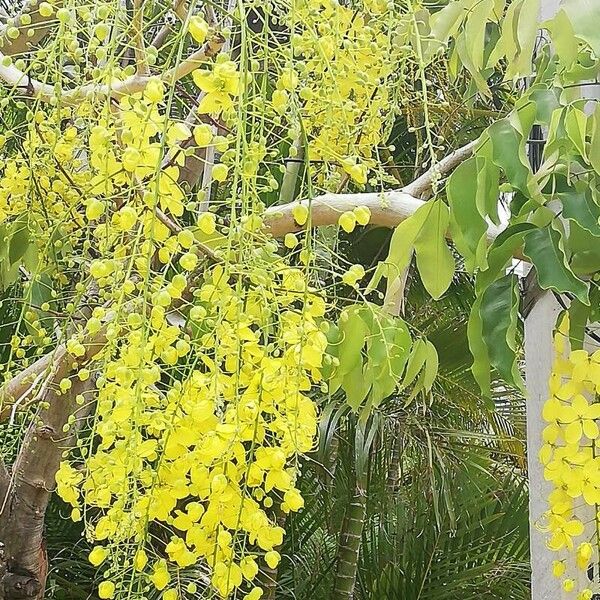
column 467, row 225
column 579, row 206
column 585, row 250
column 404, row 237
column 356, row 385
column 499, row 315
column 578, row 319
column 508, row 152
column 417, row 359
column 434, row 258
column 479, row 350
column 544, row 247
column 523, row 33
column 501, row 253
column 563, row 39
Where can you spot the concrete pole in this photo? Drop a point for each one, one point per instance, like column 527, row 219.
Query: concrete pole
column 539, row 353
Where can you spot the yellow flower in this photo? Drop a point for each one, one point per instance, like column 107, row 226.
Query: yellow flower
column 584, row 555
column 207, row 223
column 347, row 221
column 160, row 575
column 300, row 213
column 290, row 240
column 580, row 418
column 106, row 589
column 558, row 568
column 563, row 532
column 272, row 558
column 220, row 86
column 362, row 214
column 254, row 594
column 198, row 29
column 140, row 560
column 353, row 275
column 98, row 555
column 203, row 135
column 226, row 577
column 219, row 172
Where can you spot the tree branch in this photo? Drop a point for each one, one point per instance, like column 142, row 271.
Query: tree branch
column 131, row 85
column 161, row 37
column 423, row 184
column 141, row 58
column 388, row 209
column 40, row 26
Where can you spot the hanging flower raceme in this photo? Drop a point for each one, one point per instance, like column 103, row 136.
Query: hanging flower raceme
column 199, row 428
column 571, row 459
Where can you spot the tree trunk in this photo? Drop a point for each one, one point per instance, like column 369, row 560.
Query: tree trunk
column 23, row 563
column 349, row 546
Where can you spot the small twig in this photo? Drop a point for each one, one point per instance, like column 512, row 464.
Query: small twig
column 141, row 57
column 134, row 84
column 160, row 38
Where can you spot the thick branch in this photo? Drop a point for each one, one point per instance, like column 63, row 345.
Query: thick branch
column 388, row 209
column 20, row 387
column 131, row 85
column 39, row 26
column 423, row 184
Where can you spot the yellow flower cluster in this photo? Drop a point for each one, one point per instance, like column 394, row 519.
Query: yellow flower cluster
column 570, row 455
column 341, row 63
column 199, row 427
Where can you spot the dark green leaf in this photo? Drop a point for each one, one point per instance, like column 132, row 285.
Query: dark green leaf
column 544, row 247
column 499, row 315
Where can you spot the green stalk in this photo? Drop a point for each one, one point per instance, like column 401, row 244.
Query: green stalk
column 349, row 545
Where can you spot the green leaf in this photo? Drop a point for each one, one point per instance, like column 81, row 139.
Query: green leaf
column 403, row 240
column 417, row 359
column 474, row 34
column 524, row 30
column 434, row 258
column 579, row 206
column 501, row 253
column 431, row 367
column 356, row 385
column 447, row 21
column 578, row 319
column 575, row 126
column 585, row 250
column 584, row 16
column 467, row 225
column 353, row 330
column 508, row 152
column 481, row 361
column 499, row 315
column 423, row 362
column 544, row 247
column 563, row 39
column 19, row 239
